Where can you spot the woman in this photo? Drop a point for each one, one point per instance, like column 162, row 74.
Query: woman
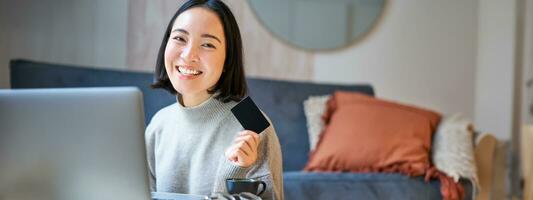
column 195, row 144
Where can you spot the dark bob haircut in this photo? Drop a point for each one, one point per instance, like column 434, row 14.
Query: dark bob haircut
column 232, row 83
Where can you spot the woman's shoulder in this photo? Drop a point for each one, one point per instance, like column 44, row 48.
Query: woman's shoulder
column 163, row 114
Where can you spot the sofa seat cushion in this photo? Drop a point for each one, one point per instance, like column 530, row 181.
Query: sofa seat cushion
column 311, row 185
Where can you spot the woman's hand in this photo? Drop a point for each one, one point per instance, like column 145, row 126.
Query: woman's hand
column 243, row 151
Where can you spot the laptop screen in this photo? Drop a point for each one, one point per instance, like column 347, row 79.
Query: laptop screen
column 77, row 143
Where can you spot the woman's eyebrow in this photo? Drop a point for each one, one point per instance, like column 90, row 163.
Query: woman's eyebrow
column 205, row 35
column 181, row 30
column 211, row 36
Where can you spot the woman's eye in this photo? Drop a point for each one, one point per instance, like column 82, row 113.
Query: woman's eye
column 208, row 45
column 179, row 39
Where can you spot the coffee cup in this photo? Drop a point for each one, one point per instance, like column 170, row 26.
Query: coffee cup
column 239, row 185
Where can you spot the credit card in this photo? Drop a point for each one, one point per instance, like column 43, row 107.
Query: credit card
column 249, row 115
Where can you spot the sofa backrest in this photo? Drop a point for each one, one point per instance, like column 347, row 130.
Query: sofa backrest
column 30, row 74
column 282, row 101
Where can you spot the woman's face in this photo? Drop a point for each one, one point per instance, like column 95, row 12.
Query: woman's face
column 195, row 52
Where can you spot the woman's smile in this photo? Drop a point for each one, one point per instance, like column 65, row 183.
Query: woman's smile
column 187, row 73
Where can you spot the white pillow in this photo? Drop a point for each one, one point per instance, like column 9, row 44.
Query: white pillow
column 314, row 108
column 453, row 149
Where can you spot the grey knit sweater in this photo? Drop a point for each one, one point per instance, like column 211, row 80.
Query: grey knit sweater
column 185, row 149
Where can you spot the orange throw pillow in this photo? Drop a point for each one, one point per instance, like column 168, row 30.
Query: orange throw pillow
column 365, row 134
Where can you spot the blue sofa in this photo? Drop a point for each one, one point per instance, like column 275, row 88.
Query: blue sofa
column 281, row 100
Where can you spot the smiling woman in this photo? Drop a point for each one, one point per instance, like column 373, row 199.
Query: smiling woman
column 194, row 56
column 195, row 144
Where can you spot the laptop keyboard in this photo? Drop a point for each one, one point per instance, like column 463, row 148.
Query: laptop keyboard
column 177, row 196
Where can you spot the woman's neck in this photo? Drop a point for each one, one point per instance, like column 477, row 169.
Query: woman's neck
column 193, row 100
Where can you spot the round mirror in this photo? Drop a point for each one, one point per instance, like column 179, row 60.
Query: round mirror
column 318, row 24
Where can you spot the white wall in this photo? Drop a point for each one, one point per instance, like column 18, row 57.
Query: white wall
column 495, row 67
column 422, row 53
column 90, row 33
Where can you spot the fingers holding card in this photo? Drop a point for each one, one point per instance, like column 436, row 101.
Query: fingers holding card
column 243, row 151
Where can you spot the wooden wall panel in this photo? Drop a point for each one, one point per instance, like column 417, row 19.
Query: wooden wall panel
column 147, row 21
column 4, row 60
column 265, row 55
column 85, row 33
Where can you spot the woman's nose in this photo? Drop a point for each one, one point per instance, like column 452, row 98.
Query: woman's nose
column 189, row 54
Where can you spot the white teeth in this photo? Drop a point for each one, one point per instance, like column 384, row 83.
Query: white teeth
column 188, row 71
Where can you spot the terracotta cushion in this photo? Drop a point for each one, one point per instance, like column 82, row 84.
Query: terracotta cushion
column 366, row 134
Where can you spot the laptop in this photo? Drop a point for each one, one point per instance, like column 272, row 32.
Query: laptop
column 76, row 143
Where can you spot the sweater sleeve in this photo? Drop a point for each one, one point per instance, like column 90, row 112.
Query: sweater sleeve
column 150, row 145
column 268, row 167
